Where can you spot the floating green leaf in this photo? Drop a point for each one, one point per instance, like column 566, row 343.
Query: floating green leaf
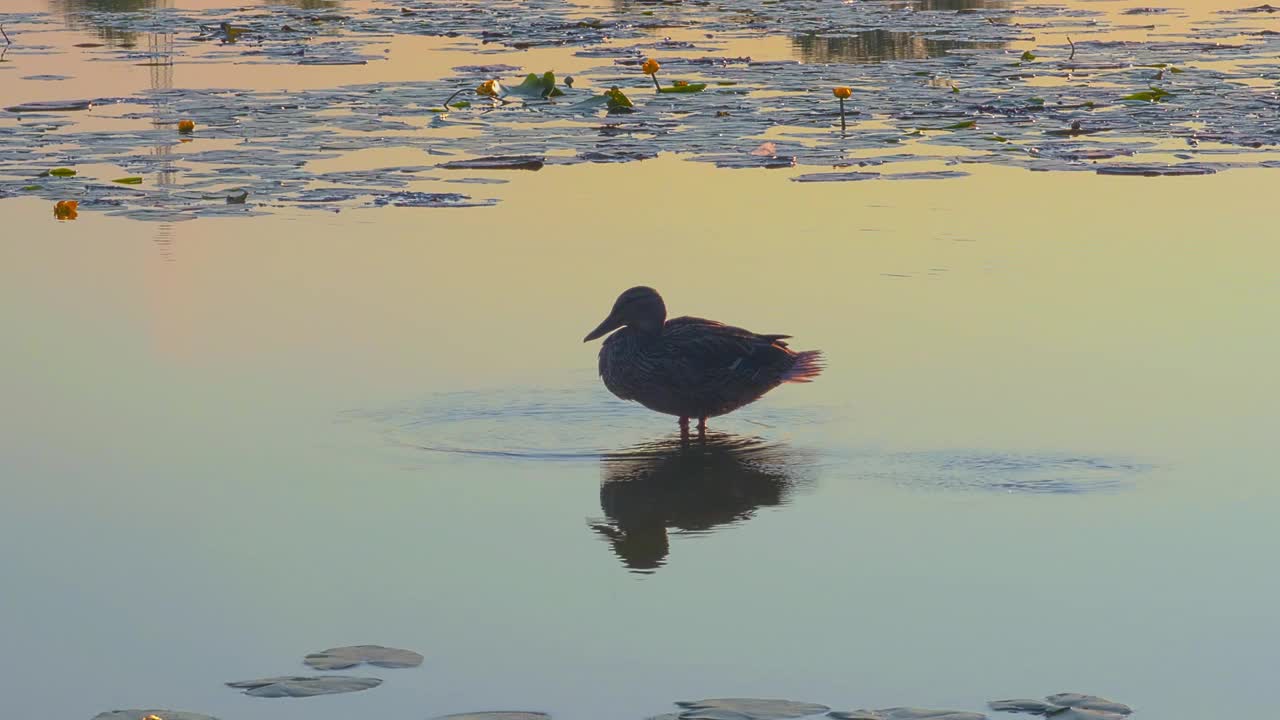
column 62, row 172
column 1028, row 56
column 131, row 180
column 278, row 687
column 962, row 125
column 617, row 98
column 341, row 658
column 461, row 104
column 686, row 88
column 1155, row 94
column 748, row 709
column 906, row 713
column 30, row 188
column 535, row 86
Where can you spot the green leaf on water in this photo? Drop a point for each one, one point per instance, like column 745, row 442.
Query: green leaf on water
column 62, row 172
column 461, row 104
column 30, row 188
column 617, row 100
column 1028, row 56
column 342, row 658
column 535, row 86
column 131, row 180
column 1155, row 94
column 726, row 82
column 1175, row 70
column 613, row 98
column 962, row 125
column 686, row 88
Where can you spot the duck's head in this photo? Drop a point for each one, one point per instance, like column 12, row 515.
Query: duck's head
column 640, row 307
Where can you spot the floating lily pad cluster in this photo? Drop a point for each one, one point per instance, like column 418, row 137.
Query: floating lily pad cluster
column 938, row 82
column 339, row 658
column 1063, row 706
column 1067, row 706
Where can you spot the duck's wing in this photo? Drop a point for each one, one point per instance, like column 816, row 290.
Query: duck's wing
column 704, row 351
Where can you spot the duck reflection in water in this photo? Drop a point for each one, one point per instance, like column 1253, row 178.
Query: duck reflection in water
column 652, row 488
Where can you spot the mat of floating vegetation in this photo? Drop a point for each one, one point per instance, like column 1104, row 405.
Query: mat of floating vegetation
column 747, row 709
column 948, row 86
column 341, row 658
column 296, row 686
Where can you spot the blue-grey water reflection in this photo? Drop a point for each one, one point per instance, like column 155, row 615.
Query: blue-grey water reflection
column 652, row 490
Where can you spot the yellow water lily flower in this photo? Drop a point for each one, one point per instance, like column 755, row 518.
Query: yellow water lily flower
column 650, row 66
column 185, row 126
column 843, row 93
column 488, row 88
column 66, row 209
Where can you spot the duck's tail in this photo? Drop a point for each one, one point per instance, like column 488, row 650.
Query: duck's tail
column 807, row 366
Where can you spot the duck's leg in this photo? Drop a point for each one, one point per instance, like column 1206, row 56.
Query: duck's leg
column 684, row 428
column 702, row 427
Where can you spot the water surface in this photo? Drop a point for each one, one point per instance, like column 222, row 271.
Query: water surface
column 1040, row 460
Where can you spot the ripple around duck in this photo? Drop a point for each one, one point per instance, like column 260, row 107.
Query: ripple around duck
column 1048, row 473
column 584, row 423
column 566, row 424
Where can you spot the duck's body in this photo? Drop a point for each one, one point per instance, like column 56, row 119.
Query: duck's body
column 690, row 367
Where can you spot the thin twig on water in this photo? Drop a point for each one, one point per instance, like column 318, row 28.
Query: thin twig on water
column 1073, row 48
column 7, row 41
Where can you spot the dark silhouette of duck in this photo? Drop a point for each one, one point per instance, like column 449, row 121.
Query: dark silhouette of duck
column 690, row 367
column 651, row 490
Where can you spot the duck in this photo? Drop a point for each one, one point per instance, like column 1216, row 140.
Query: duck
column 691, row 367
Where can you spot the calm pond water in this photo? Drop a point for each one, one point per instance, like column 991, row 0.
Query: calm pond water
column 1041, row 458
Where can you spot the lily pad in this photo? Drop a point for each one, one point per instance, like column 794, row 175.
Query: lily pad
column 907, row 713
column 1152, row 95
column 1066, row 706
column 1155, row 170
column 297, row 686
column 51, row 106
column 430, row 200
column 341, row 658
column 1089, row 702
column 144, row 714
column 685, row 88
column 497, row 715
column 835, row 177
column 537, row 86
column 747, row 709
column 508, row 162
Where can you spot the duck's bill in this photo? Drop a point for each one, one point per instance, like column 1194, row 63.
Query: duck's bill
column 609, row 325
